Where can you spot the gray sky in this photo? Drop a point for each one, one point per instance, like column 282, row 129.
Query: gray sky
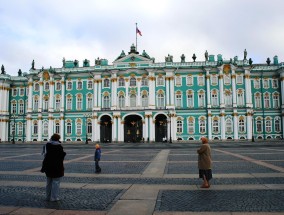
column 48, row 30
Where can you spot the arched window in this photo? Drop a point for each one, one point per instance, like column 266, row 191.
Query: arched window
column 36, row 87
column 132, row 100
column 228, row 98
column 144, row 81
column 276, row 103
column 267, row 100
column 58, row 86
column 79, row 85
column 160, row 99
column 90, row 84
column 277, row 124
column 57, row 102
column 46, row 86
column 257, row 100
column 190, row 99
column 215, row 126
column 132, row 82
column 241, row 124
column 69, row 102
column 89, row 101
column 35, row 128
column 268, row 124
column 89, row 127
column 202, row 125
column 20, row 128
column 190, row 125
column 229, row 126
column 78, row 127
column 106, row 82
column 69, row 128
column 144, row 100
column 258, row 125
column 106, row 101
column 201, row 98
column 45, row 128
column 121, row 101
column 121, row 82
column 69, row 85
column 79, row 104
column 57, row 128
column 179, row 125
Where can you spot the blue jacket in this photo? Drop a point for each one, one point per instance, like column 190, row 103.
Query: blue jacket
column 98, row 154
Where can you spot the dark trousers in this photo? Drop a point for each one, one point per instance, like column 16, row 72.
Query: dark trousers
column 98, row 168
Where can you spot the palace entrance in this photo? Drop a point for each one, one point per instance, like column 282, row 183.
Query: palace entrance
column 133, row 129
column 105, row 129
column 161, row 128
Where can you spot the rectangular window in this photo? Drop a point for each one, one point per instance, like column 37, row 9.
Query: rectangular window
column 79, row 103
column 89, row 103
column 256, row 83
column 259, row 126
column 239, row 79
column 276, row 101
column 190, row 127
column 144, row 82
column 189, row 80
column 90, row 85
column 202, row 126
column 268, row 126
column 160, row 81
column 200, row 80
column 190, row 103
column 21, row 108
column 14, row 108
column 266, row 83
column 79, row 129
column 214, row 99
column 215, row 126
column 257, row 101
column 214, row 80
column 14, row 92
column 57, row 128
column 178, row 80
column 178, row 100
column 22, row 92
column 274, row 83
column 201, row 100
column 179, row 126
column 266, row 101
column 57, row 104
column 69, row 104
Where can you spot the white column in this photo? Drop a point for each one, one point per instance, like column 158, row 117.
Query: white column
column 208, row 88
column 99, row 93
column 174, row 127
column 62, row 128
column 95, row 95
column 234, row 89
column 127, row 102
column 40, row 94
column 249, row 126
column 144, row 129
column 139, row 96
column 50, row 125
column 223, row 129
column 172, row 92
column 63, row 99
column 248, row 88
column 120, row 130
column 221, row 87
column 39, row 137
column 95, row 130
column 167, row 91
column 152, row 92
column 29, row 128
column 235, row 119
column 282, row 91
column 114, row 129
column 51, row 95
column 146, row 135
column 30, row 97
column 209, row 125
column 114, row 92
column 152, row 129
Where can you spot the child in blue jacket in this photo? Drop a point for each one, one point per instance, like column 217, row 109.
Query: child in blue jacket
column 97, row 158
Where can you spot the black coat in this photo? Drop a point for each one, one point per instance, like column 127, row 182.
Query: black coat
column 52, row 164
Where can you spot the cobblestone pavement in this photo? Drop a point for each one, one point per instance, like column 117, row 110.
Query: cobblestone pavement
column 146, row 179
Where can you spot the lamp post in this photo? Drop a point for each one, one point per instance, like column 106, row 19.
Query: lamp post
column 14, row 128
column 252, row 126
column 86, row 118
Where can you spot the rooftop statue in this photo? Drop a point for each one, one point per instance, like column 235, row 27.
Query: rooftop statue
column 268, row 61
column 133, row 50
column 3, row 69
column 63, row 61
column 245, row 54
column 169, row 58
column 206, row 56
column 144, row 54
column 194, row 57
column 98, row 62
column 33, row 65
column 250, row 61
column 20, row 72
column 182, row 57
column 122, row 54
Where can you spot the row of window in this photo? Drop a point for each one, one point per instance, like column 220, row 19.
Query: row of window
column 160, row 100
column 268, row 123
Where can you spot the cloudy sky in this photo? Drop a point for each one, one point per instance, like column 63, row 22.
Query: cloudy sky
column 48, row 30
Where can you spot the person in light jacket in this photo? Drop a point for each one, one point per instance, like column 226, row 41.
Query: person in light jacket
column 205, row 163
column 53, row 168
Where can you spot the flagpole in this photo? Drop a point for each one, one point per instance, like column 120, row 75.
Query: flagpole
column 136, row 35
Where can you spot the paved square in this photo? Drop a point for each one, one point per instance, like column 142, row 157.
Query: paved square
column 146, row 179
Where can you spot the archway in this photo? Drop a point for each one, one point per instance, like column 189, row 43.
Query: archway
column 161, row 128
column 133, row 131
column 106, row 129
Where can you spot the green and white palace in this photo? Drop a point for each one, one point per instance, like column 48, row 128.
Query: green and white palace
column 135, row 99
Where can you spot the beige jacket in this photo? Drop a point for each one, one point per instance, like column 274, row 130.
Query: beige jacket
column 204, row 157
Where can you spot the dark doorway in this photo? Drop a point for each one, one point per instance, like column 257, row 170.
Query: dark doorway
column 161, row 128
column 133, row 131
column 106, row 129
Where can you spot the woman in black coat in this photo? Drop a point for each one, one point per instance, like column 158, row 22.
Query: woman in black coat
column 53, row 167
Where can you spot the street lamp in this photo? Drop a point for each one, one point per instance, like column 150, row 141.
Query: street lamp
column 14, row 128
column 252, row 125
column 86, row 119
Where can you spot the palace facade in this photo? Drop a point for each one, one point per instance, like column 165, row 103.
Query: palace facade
column 138, row 100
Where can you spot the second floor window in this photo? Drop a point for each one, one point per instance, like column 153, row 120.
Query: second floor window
column 132, row 82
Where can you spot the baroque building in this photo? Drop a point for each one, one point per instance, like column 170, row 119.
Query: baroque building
column 137, row 100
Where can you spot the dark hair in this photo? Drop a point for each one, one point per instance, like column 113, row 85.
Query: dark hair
column 55, row 137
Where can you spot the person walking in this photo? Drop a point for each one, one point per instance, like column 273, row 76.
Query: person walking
column 53, row 167
column 97, row 158
column 205, row 162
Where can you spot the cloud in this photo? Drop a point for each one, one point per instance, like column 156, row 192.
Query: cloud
column 47, row 31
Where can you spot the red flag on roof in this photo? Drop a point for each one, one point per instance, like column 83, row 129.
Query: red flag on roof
column 138, row 31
